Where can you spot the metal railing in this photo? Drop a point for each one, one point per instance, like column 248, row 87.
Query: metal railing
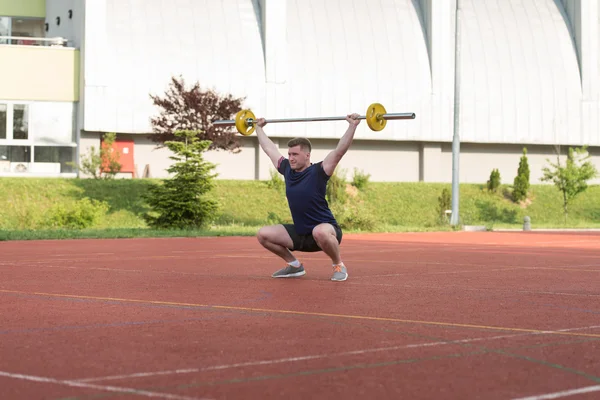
column 34, row 41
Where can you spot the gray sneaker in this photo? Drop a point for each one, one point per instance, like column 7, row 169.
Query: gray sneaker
column 289, row 272
column 339, row 273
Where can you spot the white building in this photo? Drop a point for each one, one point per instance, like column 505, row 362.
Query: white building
column 528, row 77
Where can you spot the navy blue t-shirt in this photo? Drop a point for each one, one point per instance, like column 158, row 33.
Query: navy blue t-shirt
column 305, row 193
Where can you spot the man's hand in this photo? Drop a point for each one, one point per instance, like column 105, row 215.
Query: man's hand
column 353, row 119
column 261, row 122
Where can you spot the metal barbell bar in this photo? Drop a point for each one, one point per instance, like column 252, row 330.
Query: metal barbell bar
column 376, row 117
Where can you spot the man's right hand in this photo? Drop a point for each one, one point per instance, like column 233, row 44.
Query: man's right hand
column 261, row 122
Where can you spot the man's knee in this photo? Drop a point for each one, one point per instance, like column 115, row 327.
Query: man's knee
column 322, row 233
column 274, row 234
column 264, row 234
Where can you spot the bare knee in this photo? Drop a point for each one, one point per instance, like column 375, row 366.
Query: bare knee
column 263, row 235
column 323, row 233
column 274, row 234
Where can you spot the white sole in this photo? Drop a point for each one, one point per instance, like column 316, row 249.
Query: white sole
column 290, row 275
column 340, row 280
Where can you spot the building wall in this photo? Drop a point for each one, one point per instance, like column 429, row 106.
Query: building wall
column 39, row 73
column 23, row 8
column 528, row 74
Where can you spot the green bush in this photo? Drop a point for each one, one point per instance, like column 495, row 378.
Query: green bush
column 521, row 182
column 353, row 216
column 336, row 188
column 181, row 202
column 444, row 203
column 360, row 179
column 494, row 183
column 276, row 182
column 76, row 215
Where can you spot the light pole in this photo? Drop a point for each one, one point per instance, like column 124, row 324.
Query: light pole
column 454, row 218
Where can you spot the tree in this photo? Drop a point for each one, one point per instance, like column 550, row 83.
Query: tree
column 101, row 164
column 494, row 183
column 180, row 202
column 571, row 179
column 521, row 182
column 194, row 110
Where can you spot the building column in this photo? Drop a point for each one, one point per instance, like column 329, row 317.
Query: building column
column 430, row 162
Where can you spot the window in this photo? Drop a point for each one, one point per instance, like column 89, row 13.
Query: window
column 26, row 27
column 21, row 27
column 15, row 154
column 21, row 121
column 55, row 155
column 3, row 121
column 4, row 29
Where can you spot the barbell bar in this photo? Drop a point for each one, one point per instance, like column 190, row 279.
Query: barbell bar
column 376, row 117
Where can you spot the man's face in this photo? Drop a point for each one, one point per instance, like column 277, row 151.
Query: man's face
column 299, row 158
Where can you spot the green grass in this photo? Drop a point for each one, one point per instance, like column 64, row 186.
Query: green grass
column 25, row 205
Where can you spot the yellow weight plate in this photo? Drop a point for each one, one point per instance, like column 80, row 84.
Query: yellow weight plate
column 241, row 122
column 375, row 118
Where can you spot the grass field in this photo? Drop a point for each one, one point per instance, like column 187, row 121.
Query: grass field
column 27, row 207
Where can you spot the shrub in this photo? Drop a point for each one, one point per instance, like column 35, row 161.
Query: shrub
column 276, row 182
column 336, row 188
column 444, row 203
column 180, row 202
column 494, row 183
column 353, row 216
column 77, row 215
column 521, row 182
column 360, row 179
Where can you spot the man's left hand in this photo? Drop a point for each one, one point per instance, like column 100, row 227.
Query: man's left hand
column 353, row 119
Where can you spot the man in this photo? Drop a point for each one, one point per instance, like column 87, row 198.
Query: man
column 314, row 227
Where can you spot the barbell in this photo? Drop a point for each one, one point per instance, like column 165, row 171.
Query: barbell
column 376, row 117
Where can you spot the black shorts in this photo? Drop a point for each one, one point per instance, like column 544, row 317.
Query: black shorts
column 307, row 242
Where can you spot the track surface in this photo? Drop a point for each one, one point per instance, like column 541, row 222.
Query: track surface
column 422, row 316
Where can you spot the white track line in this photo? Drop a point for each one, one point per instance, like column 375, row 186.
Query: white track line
column 97, row 387
column 316, row 356
column 565, row 393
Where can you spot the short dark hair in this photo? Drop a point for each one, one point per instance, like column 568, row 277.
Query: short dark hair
column 302, row 142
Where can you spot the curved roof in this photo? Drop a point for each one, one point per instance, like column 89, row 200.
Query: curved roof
column 520, row 80
column 520, row 77
column 343, row 56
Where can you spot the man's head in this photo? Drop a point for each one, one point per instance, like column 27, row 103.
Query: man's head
column 299, row 153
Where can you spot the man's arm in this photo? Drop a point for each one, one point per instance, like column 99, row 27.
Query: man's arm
column 331, row 161
column 266, row 144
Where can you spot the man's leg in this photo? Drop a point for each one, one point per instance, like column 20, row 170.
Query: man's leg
column 277, row 240
column 326, row 238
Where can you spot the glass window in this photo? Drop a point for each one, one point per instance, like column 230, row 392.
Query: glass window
column 2, row 121
column 4, row 29
column 15, row 153
column 52, row 154
column 21, row 121
column 27, row 27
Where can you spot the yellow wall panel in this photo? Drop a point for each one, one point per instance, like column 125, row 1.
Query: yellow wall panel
column 39, row 73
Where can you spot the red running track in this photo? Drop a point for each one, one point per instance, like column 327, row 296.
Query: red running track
column 422, row 316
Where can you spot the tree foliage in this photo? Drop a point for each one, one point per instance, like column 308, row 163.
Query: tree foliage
column 521, row 182
column 570, row 178
column 194, row 109
column 180, row 202
column 494, row 182
column 102, row 164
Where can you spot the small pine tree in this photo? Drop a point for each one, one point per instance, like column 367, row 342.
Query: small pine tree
column 180, row 202
column 494, row 183
column 521, row 182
